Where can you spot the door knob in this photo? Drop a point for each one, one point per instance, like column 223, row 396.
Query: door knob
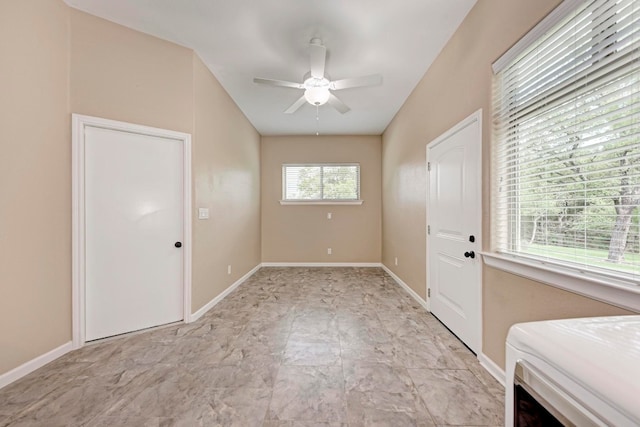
column 470, row 254
column 178, row 244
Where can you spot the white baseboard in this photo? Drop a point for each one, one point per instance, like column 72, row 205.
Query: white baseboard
column 33, row 364
column 321, row 264
column 491, row 367
column 208, row 306
column 30, row 366
column 406, row 287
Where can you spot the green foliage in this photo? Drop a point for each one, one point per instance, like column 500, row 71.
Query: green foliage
column 579, row 179
column 328, row 183
column 309, row 180
column 340, row 182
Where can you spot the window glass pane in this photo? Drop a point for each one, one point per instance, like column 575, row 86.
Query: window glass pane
column 321, row 182
column 340, row 182
column 303, row 183
column 567, row 125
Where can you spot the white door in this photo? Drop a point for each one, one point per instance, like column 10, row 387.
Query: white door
column 454, row 226
column 133, row 220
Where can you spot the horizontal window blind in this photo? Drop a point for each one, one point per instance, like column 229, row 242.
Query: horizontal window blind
column 567, row 134
column 317, row 182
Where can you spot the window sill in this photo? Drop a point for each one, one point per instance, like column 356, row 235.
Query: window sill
column 599, row 287
column 321, row 202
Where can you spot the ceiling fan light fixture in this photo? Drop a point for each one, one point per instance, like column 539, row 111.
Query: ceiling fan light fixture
column 317, row 95
column 317, row 83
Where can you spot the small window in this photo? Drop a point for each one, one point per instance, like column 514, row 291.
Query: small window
column 321, row 182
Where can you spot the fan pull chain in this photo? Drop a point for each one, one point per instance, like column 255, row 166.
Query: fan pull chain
column 317, row 120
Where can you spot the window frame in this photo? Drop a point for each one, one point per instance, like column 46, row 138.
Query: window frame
column 322, row 201
column 605, row 286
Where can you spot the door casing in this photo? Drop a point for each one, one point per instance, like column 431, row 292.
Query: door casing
column 475, row 117
column 79, row 123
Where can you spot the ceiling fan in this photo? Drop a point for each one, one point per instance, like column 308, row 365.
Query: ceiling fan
column 317, row 85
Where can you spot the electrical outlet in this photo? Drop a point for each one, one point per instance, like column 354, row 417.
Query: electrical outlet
column 328, row 251
column 329, row 215
column 396, row 261
column 229, row 269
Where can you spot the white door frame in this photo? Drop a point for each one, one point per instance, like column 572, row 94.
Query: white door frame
column 475, row 117
column 79, row 123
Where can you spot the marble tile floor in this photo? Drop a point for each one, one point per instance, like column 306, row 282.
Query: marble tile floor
column 290, row 347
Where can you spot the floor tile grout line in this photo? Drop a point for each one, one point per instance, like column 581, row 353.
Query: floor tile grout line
column 378, row 291
column 275, row 379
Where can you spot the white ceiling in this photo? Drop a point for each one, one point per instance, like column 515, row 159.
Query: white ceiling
column 242, row 39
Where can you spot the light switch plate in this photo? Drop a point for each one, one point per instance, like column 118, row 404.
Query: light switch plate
column 203, row 213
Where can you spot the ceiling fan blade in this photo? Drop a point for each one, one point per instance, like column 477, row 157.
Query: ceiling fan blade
column 372, row 80
column 337, row 104
column 294, row 107
column 317, row 54
column 282, row 83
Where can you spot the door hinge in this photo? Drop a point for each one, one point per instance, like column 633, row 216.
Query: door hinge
column 428, row 229
column 429, row 166
column 429, row 293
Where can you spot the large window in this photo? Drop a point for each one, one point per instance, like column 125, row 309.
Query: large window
column 567, row 129
column 321, row 182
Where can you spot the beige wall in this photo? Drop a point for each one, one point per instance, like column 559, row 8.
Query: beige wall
column 57, row 61
column 35, row 180
column 511, row 299
column 303, row 233
column 226, row 174
column 456, row 85
column 121, row 74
